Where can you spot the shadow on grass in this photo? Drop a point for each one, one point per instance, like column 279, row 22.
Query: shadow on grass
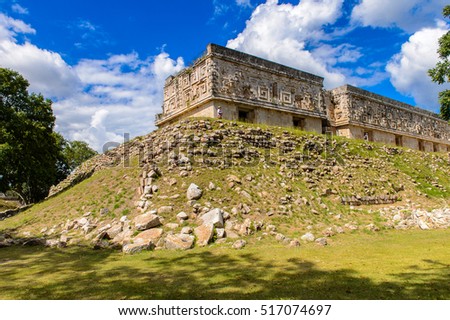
column 80, row 273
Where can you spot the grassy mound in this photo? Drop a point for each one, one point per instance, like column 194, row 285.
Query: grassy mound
column 277, row 176
column 279, row 179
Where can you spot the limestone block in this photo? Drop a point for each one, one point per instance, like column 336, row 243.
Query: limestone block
column 179, row 242
column 213, row 217
column 148, row 236
column 194, row 192
column 146, row 221
column 204, row 234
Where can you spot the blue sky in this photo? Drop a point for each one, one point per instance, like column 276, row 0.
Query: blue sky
column 103, row 63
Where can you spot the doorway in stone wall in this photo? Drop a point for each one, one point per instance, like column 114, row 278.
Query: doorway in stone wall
column 399, row 141
column 245, row 115
column 421, row 145
column 298, row 123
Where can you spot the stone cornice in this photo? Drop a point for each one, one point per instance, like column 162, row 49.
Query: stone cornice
column 242, row 58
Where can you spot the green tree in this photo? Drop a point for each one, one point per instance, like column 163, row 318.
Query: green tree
column 28, row 146
column 441, row 73
column 62, row 165
column 76, row 152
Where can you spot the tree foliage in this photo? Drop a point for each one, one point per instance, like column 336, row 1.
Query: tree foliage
column 441, row 73
column 28, row 149
column 62, row 166
column 76, row 152
column 32, row 156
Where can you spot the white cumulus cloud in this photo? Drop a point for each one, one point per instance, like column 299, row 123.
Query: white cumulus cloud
column 244, row 3
column 96, row 101
column 46, row 71
column 121, row 94
column 282, row 33
column 9, row 27
column 17, row 8
column 409, row 15
column 408, row 69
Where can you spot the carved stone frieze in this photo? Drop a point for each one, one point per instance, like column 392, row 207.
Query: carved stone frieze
column 352, row 106
column 236, row 81
column 235, row 77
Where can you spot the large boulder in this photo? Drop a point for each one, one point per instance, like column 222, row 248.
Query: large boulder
column 182, row 216
column 213, row 217
column 52, row 243
column 204, row 234
column 82, row 221
column 146, row 221
column 165, row 209
column 308, row 237
column 321, row 241
column 88, row 228
column 179, row 241
column 122, row 238
column 5, row 241
column 149, row 236
column 171, row 225
column 113, row 231
column 294, row 243
column 239, row 244
column 233, row 179
column 422, row 225
column 137, row 247
column 245, row 228
column 194, row 192
column 220, row 233
column 186, row 230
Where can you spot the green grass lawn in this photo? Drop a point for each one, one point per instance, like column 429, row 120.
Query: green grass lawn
column 389, row 265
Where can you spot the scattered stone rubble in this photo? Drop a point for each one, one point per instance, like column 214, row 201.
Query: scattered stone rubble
column 196, row 143
column 181, row 151
column 406, row 218
column 148, row 231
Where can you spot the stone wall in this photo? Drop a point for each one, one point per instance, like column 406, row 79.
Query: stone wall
column 410, row 143
column 275, row 118
column 443, row 148
column 358, row 132
column 260, row 83
column 188, row 88
column 428, row 146
column 363, row 108
column 369, row 200
column 252, row 89
column 236, row 81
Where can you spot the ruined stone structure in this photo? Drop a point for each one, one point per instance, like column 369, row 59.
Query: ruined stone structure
column 364, row 115
column 247, row 88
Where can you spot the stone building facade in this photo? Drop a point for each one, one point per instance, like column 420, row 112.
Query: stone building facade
column 251, row 89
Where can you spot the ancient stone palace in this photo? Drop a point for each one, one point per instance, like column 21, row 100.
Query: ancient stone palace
column 243, row 87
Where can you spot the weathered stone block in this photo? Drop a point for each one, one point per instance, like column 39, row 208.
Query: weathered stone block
column 194, row 192
column 179, row 242
column 146, row 221
column 204, row 234
column 213, row 217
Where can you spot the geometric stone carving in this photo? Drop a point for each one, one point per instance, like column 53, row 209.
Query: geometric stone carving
column 223, row 74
